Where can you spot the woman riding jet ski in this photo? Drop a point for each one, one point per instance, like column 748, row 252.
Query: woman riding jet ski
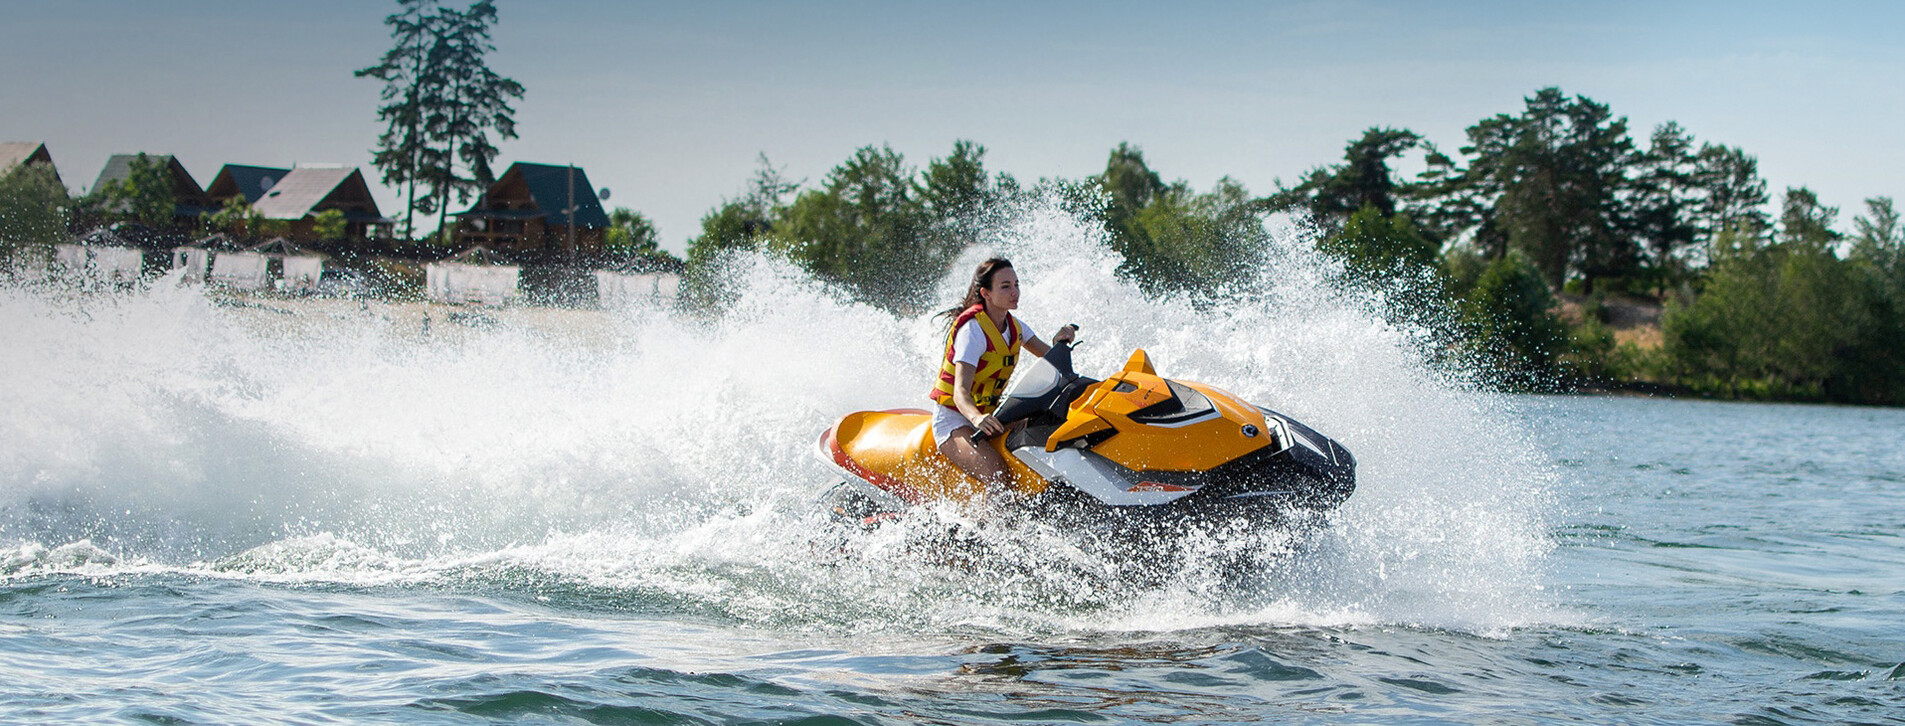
column 1134, row 443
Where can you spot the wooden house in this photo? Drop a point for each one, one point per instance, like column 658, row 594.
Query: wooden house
column 307, row 190
column 21, row 153
column 534, row 211
column 188, row 199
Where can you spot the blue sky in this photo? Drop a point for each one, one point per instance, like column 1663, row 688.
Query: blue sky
column 668, row 104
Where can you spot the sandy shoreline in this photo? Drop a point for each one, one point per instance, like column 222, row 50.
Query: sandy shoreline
column 423, row 319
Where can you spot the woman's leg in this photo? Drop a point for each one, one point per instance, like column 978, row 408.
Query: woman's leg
column 979, row 460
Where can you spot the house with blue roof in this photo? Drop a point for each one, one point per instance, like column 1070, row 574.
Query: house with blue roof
column 539, row 212
column 251, row 182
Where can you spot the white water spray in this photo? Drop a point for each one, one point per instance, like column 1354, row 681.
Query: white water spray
column 666, row 461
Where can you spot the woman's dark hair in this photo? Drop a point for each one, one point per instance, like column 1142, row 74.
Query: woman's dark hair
column 981, row 280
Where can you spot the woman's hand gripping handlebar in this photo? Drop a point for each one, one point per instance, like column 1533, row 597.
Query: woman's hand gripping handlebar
column 987, row 426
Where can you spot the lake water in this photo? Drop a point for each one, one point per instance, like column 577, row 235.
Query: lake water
column 316, row 512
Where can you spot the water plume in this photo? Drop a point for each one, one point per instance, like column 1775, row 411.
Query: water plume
column 643, row 458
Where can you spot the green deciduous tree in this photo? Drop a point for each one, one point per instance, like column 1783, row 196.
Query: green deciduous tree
column 144, row 196
column 874, row 225
column 1129, row 184
column 235, row 217
column 631, row 231
column 1510, row 310
column 1787, row 318
column 1171, row 237
column 329, row 225
column 864, row 228
column 1877, row 362
column 735, row 224
column 1194, row 242
column 634, row 238
column 1377, row 246
column 34, row 207
column 956, row 185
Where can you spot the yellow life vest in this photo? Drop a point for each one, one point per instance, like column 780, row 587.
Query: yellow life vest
column 995, row 365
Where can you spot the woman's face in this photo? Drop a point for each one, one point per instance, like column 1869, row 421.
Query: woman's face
column 1004, row 293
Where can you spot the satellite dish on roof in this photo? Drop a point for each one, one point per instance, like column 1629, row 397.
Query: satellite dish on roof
column 603, row 195
column 266, row 183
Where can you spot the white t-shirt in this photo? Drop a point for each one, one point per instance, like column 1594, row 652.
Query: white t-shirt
column 969, row 341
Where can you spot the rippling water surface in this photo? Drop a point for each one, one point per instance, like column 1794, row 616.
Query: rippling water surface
column 312, row 512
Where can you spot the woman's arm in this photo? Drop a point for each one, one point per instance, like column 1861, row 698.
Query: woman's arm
column 1040, row 348
column 963, row 373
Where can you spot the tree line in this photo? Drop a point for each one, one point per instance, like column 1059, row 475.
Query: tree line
column 1555, row 200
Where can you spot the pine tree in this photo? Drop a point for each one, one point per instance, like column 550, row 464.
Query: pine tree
column 475, row 101
column 441, row 103
column 410, row 85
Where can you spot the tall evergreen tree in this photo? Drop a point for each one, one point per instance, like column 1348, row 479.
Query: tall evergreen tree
column 474, row 101
column 1664, row 194
column 1805, row 222
column 1878, row 236
column 1733, row 195
column 1551, row 178
column 411, row 85
column 441, row 101
column 1332, row 193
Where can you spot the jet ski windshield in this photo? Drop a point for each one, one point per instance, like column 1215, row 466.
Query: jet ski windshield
column 1047, row 385
column 1042, row 377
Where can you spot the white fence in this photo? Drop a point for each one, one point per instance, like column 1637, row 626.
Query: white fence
column 241, row 270
column 301, row 273
column 457, row 282
column 196, row 261
column 620, row 290
column 113, row 264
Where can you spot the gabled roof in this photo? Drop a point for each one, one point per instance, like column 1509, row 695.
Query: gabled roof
column 478, row 255
column 184, row 187
column 219, row 242
column 251, row 181
column 307, row 190
column 549, row 187
column 105, row 237
column 16, row 153
column 281, row 247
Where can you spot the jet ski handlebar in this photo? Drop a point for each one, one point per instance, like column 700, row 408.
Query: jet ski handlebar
column 1018, row 405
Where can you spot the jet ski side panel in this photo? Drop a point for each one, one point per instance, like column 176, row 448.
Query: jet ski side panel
column 1157, row 431
column 894, row 451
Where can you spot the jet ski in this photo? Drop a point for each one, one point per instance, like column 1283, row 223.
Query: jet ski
column 1136, row 446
